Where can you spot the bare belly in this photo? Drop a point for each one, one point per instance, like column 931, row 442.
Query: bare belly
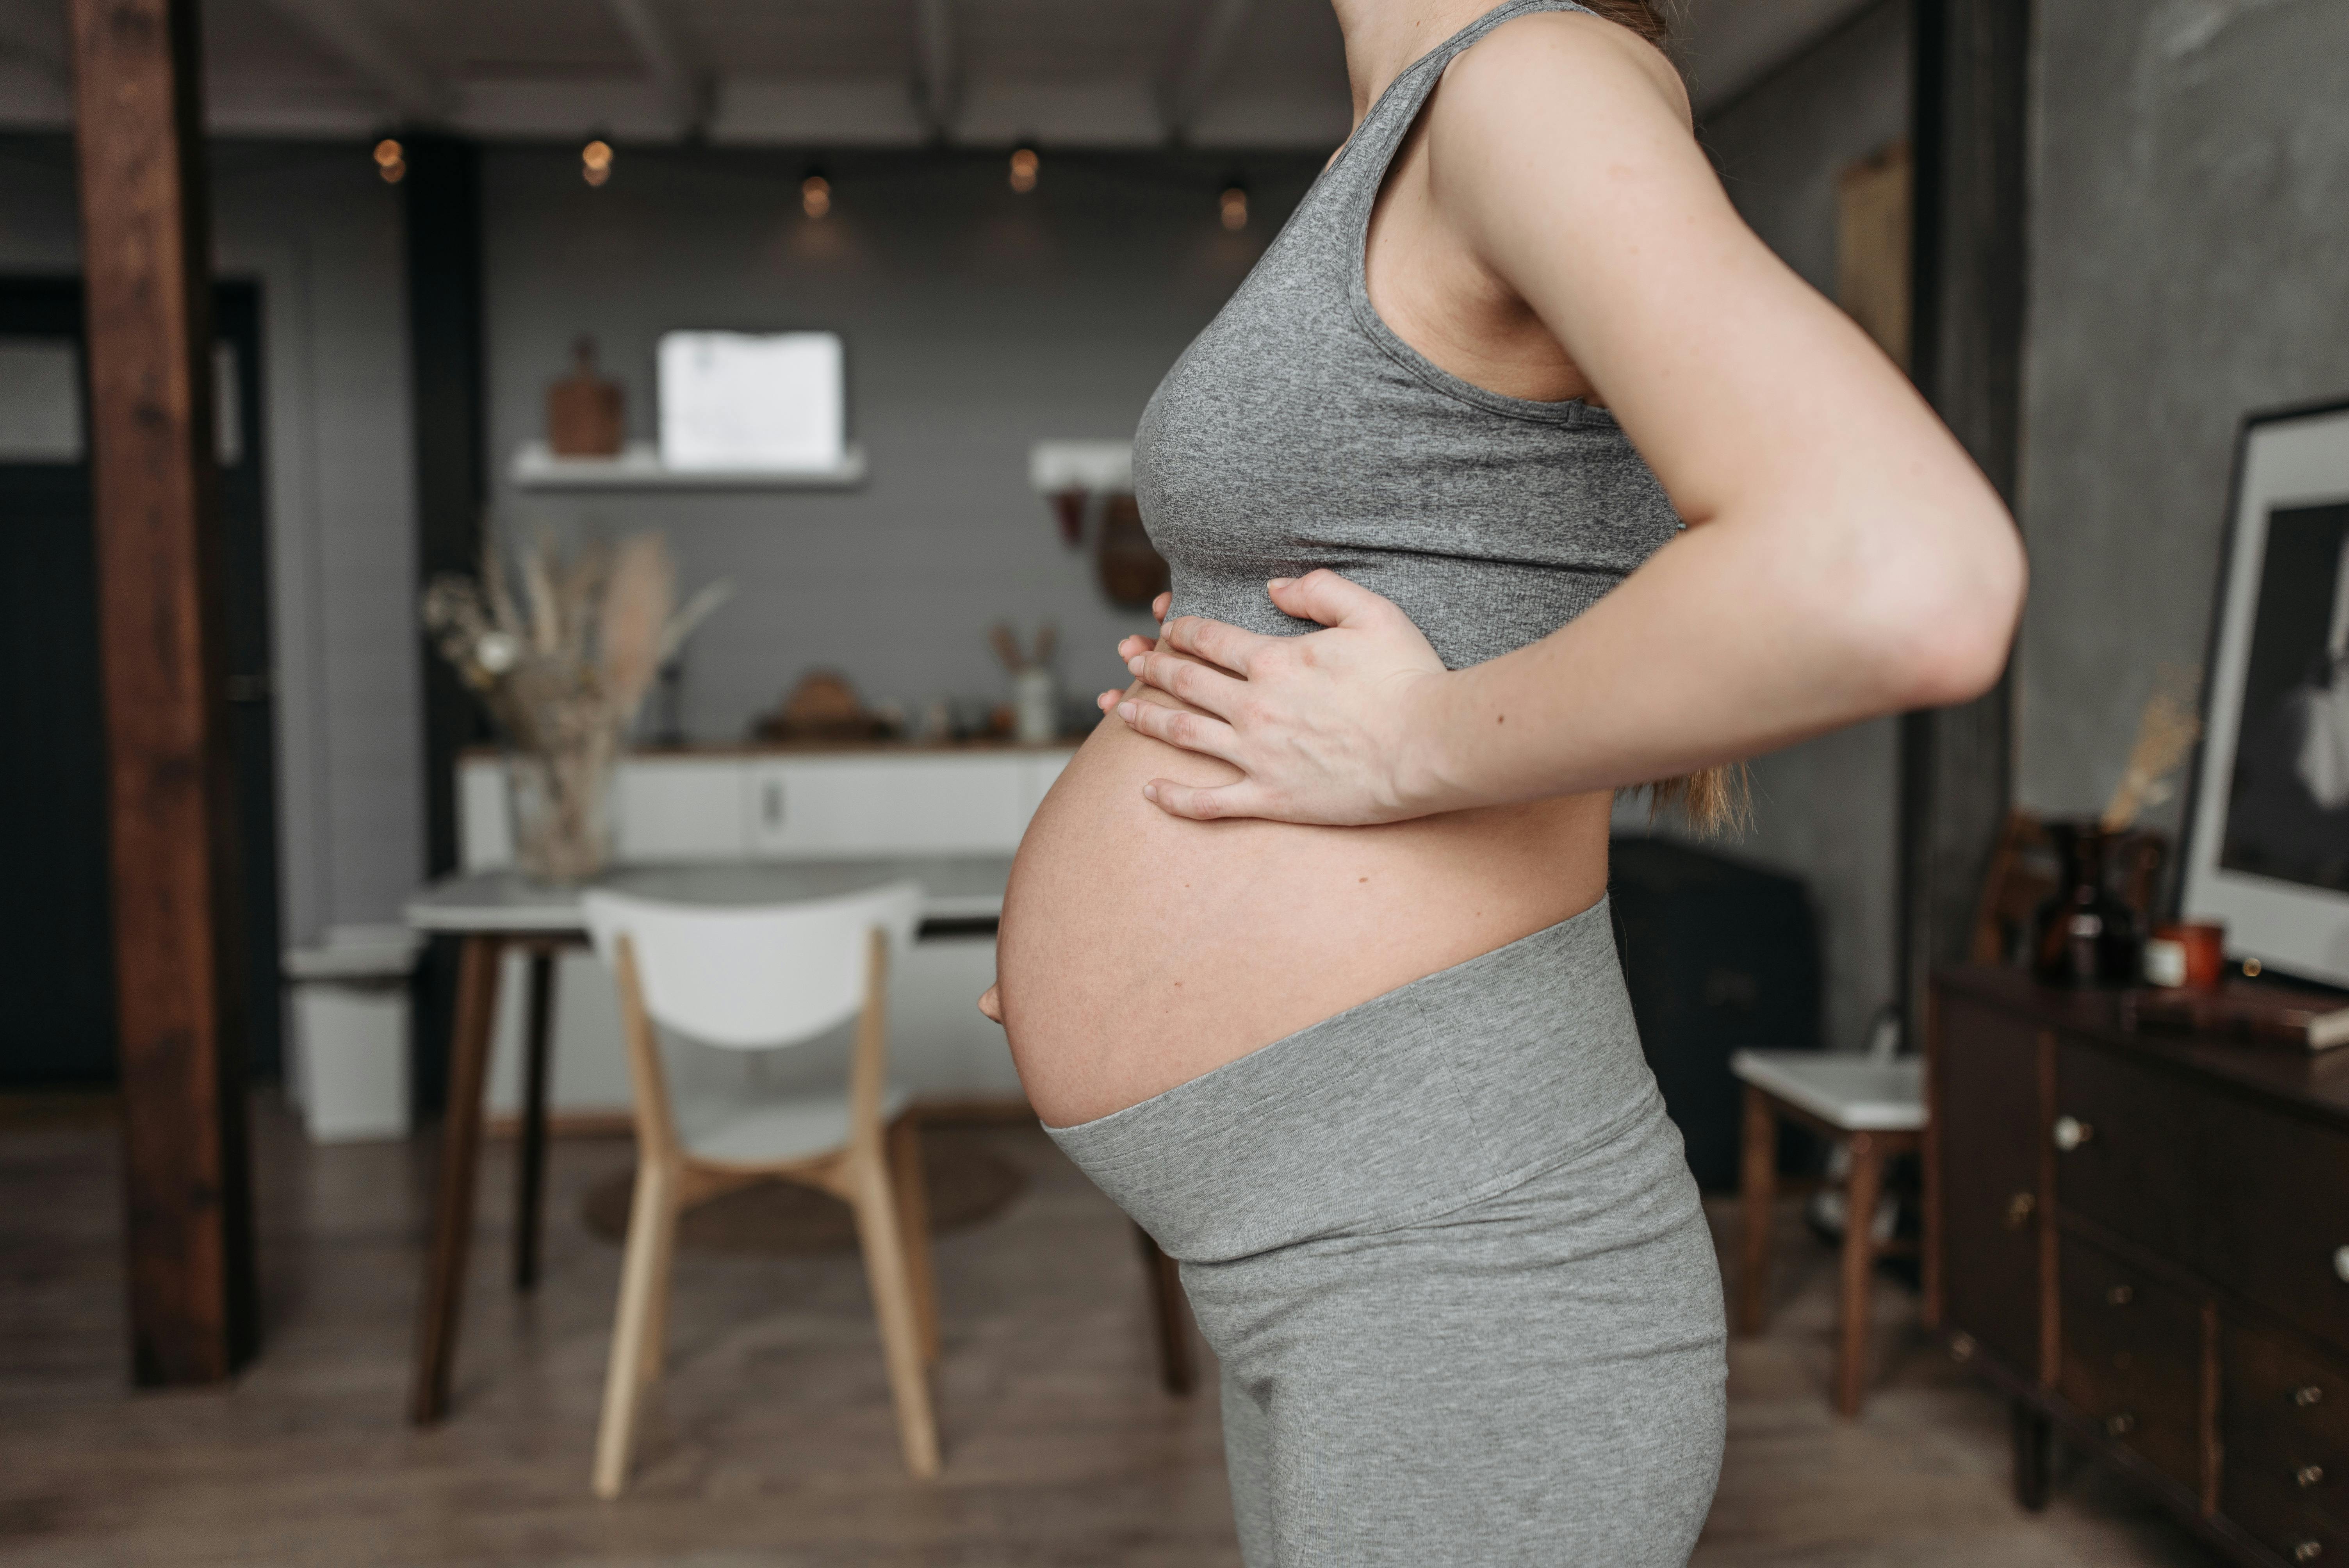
column 1140, row 951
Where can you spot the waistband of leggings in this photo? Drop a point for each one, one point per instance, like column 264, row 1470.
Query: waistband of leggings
column 1415, row 1102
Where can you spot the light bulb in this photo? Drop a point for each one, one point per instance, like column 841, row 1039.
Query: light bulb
column 1233, row 205
column 596, row 163
column 1024, row 163
column 390, row 161
column 815, row 195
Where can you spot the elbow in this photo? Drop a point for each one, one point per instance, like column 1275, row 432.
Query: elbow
column 1946, row 636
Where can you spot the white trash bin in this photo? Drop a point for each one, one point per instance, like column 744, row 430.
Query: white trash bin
column 348, row 1068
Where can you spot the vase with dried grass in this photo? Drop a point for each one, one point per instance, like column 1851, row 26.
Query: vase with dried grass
column 562, row 662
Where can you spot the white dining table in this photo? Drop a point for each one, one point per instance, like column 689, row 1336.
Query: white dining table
column 493, row 912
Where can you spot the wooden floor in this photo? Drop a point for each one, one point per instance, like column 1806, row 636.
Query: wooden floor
column 770, row 1443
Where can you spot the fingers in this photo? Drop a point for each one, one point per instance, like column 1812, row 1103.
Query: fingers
column 1108, row 700
column 1243, row 799
column 1194, row 682
column 1160, row 605
column 991, row 1004
column 1191, row 731
column 1326, row 597
column 1217, row 641
column 1129, row 646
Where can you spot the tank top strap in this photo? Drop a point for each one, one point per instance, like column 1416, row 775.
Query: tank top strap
column 1362, row 168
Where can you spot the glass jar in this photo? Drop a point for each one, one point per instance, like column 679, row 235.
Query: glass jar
column 561, row 802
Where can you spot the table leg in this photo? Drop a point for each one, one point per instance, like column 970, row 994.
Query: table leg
column 1761, row 1187
column 443, row 1296
column 530, row 1166
column 1169, row 1312
column 1860, row 1195
column 2035, row 1444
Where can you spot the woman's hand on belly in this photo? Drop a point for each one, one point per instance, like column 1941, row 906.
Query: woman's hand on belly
column 1318, row 728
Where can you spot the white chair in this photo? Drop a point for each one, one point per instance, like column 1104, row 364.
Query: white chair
column 761, row 979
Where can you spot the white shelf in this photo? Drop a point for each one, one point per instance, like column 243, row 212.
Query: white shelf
column 639, row 466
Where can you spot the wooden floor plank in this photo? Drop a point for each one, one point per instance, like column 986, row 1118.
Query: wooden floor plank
column 771, row 1440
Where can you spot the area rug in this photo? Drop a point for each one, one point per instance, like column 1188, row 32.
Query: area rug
column 967, row 1185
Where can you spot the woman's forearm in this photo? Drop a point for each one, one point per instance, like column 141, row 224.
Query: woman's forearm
column 1743, row 635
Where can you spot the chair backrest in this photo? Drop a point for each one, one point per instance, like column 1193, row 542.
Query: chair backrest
column 752, row 977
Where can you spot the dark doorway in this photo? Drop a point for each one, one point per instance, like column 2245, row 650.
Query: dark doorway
column 56, row 971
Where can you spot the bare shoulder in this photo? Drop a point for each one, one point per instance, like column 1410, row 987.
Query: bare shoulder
column 1545, row 64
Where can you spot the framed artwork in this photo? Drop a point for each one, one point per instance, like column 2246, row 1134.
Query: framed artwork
column 759, row 401
column 2266, row 834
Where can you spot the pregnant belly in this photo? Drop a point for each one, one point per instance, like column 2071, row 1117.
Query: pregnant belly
column 1139, row 951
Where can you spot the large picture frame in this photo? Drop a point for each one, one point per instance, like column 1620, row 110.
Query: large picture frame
column 2267, row 823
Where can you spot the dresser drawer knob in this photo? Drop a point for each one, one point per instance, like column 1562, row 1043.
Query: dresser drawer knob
column 2306, row 1394
column 2071, row 1132
column 2120, row 1426
column 2308, row 1551
column 1961, row 1347
column 2018, row 1210
column 2119, row 1295
column 2341, row 1263
column 2309, row 1475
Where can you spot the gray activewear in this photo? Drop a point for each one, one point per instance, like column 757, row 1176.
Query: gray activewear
column 1445, row 1244
column 1448, row 1251
column 1300, row 431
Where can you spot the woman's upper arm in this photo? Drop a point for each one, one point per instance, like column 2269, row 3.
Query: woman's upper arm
column 1562, row 150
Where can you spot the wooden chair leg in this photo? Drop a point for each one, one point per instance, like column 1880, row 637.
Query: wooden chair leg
column 662, row 1269
column 652, row 1219
column 1761, row 1187
column 879, row 1235
column 1860, row 1195
column 913, row 1221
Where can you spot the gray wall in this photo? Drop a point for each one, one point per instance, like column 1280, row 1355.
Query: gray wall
column 1826, row 809
column 977, row 322
column 320, row 233
column 2190, row 221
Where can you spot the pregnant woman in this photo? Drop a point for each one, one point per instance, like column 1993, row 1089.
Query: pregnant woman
column 1517, row 473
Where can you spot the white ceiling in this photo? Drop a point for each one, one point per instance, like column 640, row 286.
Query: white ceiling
column 1098, row 73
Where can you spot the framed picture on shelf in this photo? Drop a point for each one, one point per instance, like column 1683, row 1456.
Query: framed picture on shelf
column 2267, row 831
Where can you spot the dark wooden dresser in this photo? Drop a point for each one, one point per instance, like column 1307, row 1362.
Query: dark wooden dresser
column 2143, row 1238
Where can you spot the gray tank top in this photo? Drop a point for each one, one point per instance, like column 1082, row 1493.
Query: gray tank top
column 1298, row 432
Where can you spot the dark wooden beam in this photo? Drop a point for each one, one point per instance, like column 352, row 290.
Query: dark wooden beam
column 147, row 260
column 1972, row 108
column 444, row 196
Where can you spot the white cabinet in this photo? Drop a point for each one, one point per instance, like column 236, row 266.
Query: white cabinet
column 680, row 808
column 814, row 807
column 727, row 806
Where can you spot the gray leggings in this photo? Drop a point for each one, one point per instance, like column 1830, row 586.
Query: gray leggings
column 1449, row 1255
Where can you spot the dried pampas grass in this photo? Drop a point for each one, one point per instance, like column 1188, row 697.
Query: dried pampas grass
column 564, row 670
column 636, row 606
column 2167, row 728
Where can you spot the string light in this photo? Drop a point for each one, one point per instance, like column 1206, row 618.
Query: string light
column 1233, row 205
column 815, row 194
column 595, row 161
column 390, row 161
column 1024, row 163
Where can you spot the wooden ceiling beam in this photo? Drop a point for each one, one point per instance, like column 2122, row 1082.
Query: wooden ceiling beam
column 936, row 70
column 684, row 88
column 1199, row 62
column 354, row 37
